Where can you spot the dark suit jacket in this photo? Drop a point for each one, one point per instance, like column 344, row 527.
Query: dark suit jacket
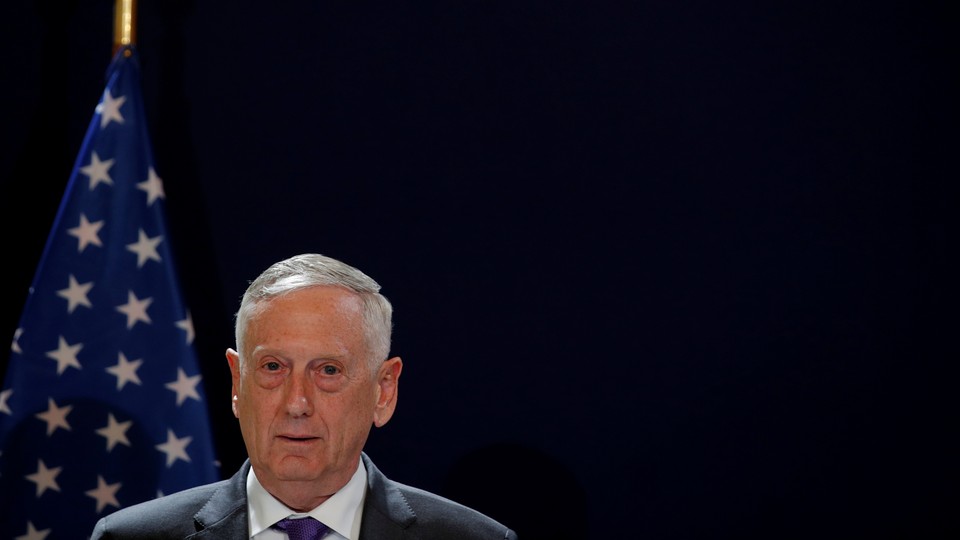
column 390, row 511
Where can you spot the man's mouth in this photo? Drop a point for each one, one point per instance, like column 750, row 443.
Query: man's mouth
column 297, row 438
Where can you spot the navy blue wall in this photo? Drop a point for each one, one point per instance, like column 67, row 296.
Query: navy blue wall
column 677, row 267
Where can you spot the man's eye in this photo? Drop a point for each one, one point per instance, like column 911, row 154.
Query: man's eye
column 272, row 366
column 330, row 370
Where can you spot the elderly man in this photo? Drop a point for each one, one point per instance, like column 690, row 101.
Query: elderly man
column 311, row 377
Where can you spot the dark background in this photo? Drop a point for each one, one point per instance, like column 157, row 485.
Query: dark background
column 660, row 269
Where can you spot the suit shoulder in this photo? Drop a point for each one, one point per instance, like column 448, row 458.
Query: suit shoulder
column 435, row 511
column 167, row 513
column 394, row 510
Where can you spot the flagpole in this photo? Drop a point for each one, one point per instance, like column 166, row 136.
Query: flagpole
column 124, row 24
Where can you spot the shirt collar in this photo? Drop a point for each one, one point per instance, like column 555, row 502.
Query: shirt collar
column 338, row 512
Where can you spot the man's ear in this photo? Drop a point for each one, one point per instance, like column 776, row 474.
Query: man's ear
column 233, row 358
column 388, row 383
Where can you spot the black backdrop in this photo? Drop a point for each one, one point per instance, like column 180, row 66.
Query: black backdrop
column 660, row 269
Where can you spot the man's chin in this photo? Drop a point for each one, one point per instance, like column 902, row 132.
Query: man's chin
column 297, row 468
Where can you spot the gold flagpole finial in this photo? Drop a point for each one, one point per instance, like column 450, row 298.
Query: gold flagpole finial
column 124, row 24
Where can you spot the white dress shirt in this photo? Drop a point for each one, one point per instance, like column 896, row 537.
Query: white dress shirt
column 341, row 512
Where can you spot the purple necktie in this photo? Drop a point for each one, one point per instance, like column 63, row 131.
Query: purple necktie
column 302, row 529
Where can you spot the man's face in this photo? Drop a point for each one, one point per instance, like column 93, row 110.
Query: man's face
column 305, row 394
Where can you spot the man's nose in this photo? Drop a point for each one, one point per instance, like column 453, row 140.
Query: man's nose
column 298, row 399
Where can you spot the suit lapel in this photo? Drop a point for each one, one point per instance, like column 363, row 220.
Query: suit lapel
column 386, row 513
column 225, row 514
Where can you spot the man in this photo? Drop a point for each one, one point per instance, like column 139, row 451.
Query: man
column 310, row 377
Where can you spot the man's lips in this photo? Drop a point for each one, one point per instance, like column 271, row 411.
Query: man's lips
column 297, row 438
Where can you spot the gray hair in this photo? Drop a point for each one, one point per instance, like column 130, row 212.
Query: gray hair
column 311, row 270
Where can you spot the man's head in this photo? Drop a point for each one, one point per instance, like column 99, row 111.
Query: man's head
column 311, row 374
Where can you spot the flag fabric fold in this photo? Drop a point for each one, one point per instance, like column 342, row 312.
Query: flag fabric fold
column 102, row 405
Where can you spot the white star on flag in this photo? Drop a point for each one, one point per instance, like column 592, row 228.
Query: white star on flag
column 55, row 416
column 135, row 309
column 98, row 171
column 153, row 185
column 87, row 233
column 145, row 248
column 109, row 109
column 15, row 345
column 125, row 371
column 175, row 448
column 76, row 294
column 65, row 355
column 4, row 396
column 33, row 533
column 185, row 387
column 187, row 326
column 45, row 478
column 105, row 494
column 115, row 432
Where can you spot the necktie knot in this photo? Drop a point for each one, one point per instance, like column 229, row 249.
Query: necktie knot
column 302, row 529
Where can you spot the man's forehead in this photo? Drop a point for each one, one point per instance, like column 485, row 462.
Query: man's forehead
column 317, row 297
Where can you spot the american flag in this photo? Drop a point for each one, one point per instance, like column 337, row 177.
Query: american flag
column 103, row 405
